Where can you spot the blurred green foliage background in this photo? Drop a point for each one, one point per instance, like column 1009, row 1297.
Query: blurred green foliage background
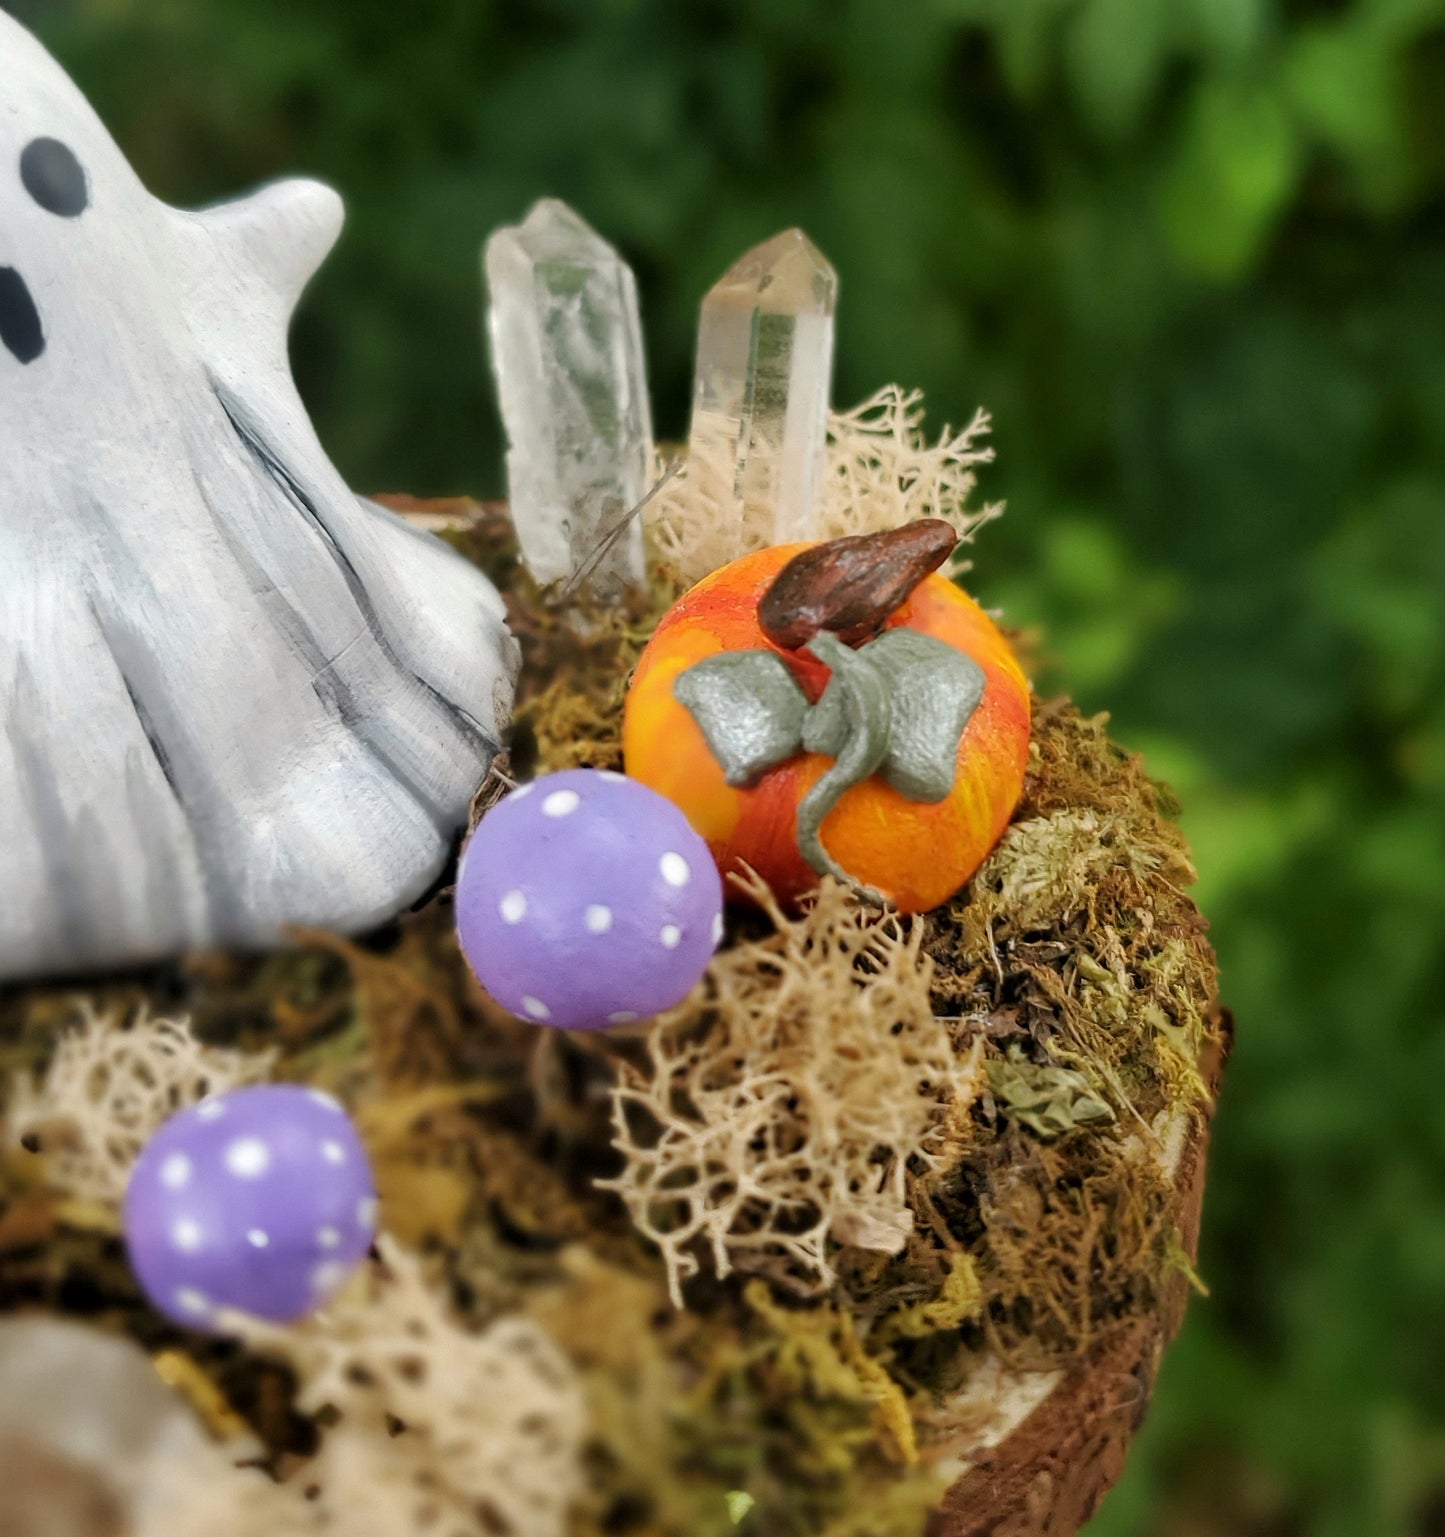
column 1191, row 253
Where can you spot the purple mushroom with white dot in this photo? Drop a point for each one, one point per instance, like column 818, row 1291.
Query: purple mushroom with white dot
column 260, row 1201
column 586, row 900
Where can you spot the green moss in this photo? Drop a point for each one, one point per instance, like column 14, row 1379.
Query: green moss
column 1075, row 957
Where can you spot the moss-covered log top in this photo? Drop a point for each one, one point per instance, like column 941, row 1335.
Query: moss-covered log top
column 1000, row 1093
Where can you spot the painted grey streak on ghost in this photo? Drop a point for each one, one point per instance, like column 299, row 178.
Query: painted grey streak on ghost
column 143, row 678
column 20, row 326
column 165, row 878
column 143, row 720
column 337, row 696
column 47, row 811
column 286, row 620
column 257, row 445
column 367, row 726
column 326, row 683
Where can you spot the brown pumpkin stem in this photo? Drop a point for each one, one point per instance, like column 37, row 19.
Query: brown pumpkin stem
column 851, row 586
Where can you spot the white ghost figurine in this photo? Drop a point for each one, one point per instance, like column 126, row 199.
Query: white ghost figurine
column 233, row 697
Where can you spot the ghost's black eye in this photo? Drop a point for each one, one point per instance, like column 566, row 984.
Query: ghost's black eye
column 20, row 328
column 54, row 178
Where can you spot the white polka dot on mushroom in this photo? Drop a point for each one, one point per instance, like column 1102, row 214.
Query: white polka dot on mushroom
column 671, row 936
column 675, row 869
column 328, row 1238
column 513, row 907
column 186, row 1235
column 534, row 1008
column 561, row 803
column 327, row 1101
column 622, row 1017
column 189, row 1300
column 258, row 1238
column 717, row 929
column 327, row 1277
column 248, row 1158
column 333, row 1152
column 521, row 792
column 211, row 1109
column 366, row 1210
column 176, row 1171
column 599, row 919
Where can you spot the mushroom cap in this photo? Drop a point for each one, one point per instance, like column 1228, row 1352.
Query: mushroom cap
column 260, row 1201
column 585, row 900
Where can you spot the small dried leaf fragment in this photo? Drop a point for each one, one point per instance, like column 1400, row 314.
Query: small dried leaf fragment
column 1048, row 1100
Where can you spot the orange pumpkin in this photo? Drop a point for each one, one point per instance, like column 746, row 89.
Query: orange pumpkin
column 913, row 853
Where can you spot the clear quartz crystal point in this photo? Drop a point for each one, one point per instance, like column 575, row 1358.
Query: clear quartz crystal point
column 761, row 396
column 567, row 349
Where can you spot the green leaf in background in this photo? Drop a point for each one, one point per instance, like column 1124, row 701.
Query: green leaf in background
column 1228, row 31
column 1344, row 82
column 1025, row 32
column 1095, row 605
column 1230, row 177
column 1117, row 53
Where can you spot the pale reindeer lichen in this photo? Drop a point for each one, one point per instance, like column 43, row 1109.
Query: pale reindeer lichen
column 882, row 472
column 109, row 1087
column 492, row 1444
column 785, row 1104
column 459, row 1429
column 429, row 1427
column 359, row 1484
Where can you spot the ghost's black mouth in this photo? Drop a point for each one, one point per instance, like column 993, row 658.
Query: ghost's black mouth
column 20, row 327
